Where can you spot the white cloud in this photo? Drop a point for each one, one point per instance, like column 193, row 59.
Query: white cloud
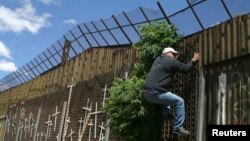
column 49, row 2
column 23, row 18
column 7, row 66
column 4, row 51
column 70, row 21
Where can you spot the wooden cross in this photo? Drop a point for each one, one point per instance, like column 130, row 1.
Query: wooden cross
column 86, row 109
column 8, row 129
column 66, row 125
column 104, row 94
column 41, row 136
column 71, row 135
column 16, row 113
column 37, row 136
column 55, row 115
column 67, row 109
column 101, row 137
column 90, row 127
column 125, row 76
column 49, row 124
column 21, row 131
column 8, row 123
column 25, row 126
column 45, row 136
column 80, row 126
column 13, row 128
column 95, row 113
column 30, row 119
column 22, row 113
column 71, row 85
column 31, row 129
column 85, row 124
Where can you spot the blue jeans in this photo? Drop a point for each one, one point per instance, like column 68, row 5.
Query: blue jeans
column 166, row 100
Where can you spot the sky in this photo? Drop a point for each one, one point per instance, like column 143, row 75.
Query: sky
column 28, row 27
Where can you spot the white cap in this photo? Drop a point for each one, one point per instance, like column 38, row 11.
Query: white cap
column 169, row 49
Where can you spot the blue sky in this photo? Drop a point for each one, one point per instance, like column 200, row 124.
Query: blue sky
column 28, row 27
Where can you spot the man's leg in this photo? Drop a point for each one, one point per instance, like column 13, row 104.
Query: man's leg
column 170, row 99
column 179, row 108
column 167, row 112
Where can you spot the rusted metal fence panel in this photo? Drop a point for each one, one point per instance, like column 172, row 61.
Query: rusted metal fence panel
column 94, row 77
column 224, row 52
column 228, row 92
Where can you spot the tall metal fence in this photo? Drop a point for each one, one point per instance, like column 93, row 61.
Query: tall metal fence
column 189, row 16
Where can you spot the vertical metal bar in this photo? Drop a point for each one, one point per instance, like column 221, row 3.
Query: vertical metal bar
column 43, row 62
column 14, row 79
column 23, row 73
column 20, row 76
column 26, row 73
column 56, row 50
column 27, row 69
column 48, row 59
column 201, row 108
column 84, row 36
column 197, row 18
column 39, row 65
column 163, row 12
column 109, row 31
column 35, row 67
column 1, row 87
column 91, row 34
column 53, row 56
column 17, row 77
column 227, row 10
column 10, row 81
column 76, row 40
column 143, row 13
column 31, row 69
column 126, row 16
column 5, row 86
column 70, row 45
column 121, row 29
column 63, row 47
column 99, row 33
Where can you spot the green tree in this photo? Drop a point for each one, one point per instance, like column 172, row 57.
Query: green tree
column 132, row 117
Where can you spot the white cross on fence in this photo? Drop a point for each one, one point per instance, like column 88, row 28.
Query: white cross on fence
column 95, row 113
column 71, row 135
column 55, row 115
column 90, row 127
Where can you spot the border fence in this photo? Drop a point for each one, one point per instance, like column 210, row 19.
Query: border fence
column 190, row 17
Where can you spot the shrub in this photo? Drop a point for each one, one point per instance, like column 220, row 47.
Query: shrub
column 132, row 117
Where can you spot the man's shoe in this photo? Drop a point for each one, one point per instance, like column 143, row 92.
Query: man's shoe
column 181, row 131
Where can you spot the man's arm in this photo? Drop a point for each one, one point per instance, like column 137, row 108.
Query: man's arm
column 182, row 67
